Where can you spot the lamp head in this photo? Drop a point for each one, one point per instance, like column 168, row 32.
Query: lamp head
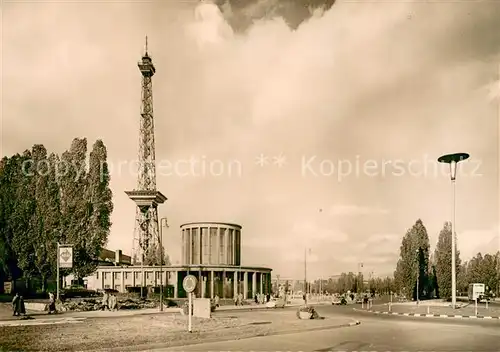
column 453, row 160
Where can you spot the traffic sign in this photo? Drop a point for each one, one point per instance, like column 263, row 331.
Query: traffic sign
column 189, row 283
column 65, row 257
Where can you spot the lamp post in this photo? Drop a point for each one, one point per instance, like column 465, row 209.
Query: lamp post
column 160, row 240
column 418, row 270
column 305, row 276
column 453, row 160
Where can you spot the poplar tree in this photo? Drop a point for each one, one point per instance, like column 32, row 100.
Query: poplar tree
column 99, row 207
column 21, row 218
column 46, row 219
column 74, row 210
column 414, row 261
column 10, row 169
column 443, row 261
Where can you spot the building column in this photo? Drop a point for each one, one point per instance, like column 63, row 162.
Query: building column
column 176, row 284
column 112, row 280
column 261, row 283
column 254, row 284
column 212, row 293
column 122, row 285
column 234, row 248
column 226, row 241
column 183, row 246
column 217, row 243
column 133, row 278
column 200, row 247
column 235, row 284
column 102, row 280
column 224, row 284
column 245, row 285
column 190, row 243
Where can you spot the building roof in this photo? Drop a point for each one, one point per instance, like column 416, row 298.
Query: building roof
column 210, row 223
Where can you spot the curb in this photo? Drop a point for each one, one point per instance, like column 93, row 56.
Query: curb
column 430, row 315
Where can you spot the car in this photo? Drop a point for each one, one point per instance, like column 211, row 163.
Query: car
column 336, row 301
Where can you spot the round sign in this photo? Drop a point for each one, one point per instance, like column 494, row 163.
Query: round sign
column 189, row 283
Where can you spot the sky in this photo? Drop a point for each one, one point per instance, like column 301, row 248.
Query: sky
column 323, row 137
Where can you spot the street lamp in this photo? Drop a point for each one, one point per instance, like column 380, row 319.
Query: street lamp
column 161, row 259
column 305, row 276
column 418, row 270
column 453, row 160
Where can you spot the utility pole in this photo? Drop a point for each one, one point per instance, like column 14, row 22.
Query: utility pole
column 305, row 276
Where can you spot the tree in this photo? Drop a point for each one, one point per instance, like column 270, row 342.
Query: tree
column 46, row 218
column 443, row 261
column 153, row 253
column 21, row 219
column 484, row 270
column 99, row 206
column 414, row 261
column 422, row 252
column 75, row 214
column 10, row 173
column 462, row 278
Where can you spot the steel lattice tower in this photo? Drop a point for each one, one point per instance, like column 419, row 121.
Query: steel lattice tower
column 146, row 221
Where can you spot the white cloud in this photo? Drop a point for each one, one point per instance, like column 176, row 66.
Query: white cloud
column 471, row 242
column 354, row 210
column 311, row 233
column 383, row 238
column 494, row 91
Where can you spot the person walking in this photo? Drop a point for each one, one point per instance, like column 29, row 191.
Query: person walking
column 15, row 305
column 52, row 303
column 20, row 306
column 105, row 301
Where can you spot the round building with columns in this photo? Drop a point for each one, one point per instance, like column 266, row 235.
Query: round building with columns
column 211, row 251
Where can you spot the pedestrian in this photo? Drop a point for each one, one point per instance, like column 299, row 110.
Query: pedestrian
column 52, row 303
column 112, row 302
column 236, row 299
column 15, row 305
column 240, row 299
column 256, row 298
column 105, row 301
column 216, row 301
column 21, row 306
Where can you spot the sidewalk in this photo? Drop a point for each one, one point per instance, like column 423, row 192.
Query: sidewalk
column 442, row 310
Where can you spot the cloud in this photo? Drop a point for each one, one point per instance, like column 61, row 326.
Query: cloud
column 368, row 79
column 494, row 91
column 471, row 242
column 354, row 210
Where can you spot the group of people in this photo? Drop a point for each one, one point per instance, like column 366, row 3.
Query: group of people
column 109, row 302
column 261, row 298
column 18, row 307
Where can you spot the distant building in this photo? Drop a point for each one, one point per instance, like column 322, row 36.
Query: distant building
column 210, row 250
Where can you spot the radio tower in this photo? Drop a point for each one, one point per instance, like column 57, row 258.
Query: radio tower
column 146, row 196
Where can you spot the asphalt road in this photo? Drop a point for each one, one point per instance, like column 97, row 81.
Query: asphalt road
column 376, row 333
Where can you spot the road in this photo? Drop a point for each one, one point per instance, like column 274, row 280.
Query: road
column 376, row 333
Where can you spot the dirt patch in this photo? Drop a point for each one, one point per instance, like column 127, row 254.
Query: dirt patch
column 144, row 332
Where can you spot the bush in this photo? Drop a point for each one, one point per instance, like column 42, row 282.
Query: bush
column 78, row 293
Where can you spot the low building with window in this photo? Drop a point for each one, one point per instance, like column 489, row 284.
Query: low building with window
column 211, row 251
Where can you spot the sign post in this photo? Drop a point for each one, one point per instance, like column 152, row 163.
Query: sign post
column 189, row 285
column 64, row 260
